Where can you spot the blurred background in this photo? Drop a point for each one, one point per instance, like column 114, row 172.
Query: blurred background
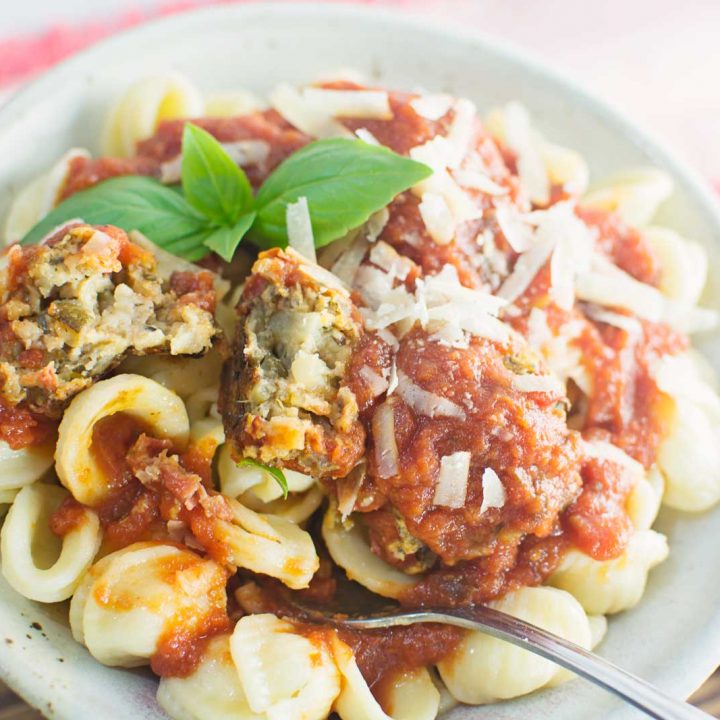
column 657, row 60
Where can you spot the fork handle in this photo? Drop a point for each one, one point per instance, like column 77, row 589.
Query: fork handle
column 629, row 687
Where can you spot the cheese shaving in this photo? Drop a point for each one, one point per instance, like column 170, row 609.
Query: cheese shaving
column 376, row 224
column 299, row 228
column 538, row 383
column 393, row 379
column 493, row 491
column 291, row 104
column 437, row 217
column 518, row 233
column 371, row 104
column 426, row 403
column 479, row 181
column 531, row 168
column 387, row 458
column 452, row 482
column 388, row 259
column 373, row 380
column 366, row 136
column 432, row 107
column 461, row 130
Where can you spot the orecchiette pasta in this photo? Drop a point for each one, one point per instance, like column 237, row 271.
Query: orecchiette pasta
column 644, row 501
column 212, row 692
column 146, row 104
column 38, row 198
column 161, row 410
column 35, row 562
column 635, row 195
column 133, row 598
column 412, row 697
column 284, row 674
column 22, row 467
column 185, row 376
column 484, row 669
column 683, row 262
column 598, row 629
column 609, row 586
column 297, row 508
column 6, row 499
column 237, row 479
column 267, row 544
column 689, row 455
column 690, row 458
column 350, row 550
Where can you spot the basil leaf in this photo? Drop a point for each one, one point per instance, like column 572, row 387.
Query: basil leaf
column 276, row 473
column 344, row 181
column 224, row 240
column 131, row 203
column 213, row 184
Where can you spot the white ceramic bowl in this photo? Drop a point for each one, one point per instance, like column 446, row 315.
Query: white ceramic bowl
column 673, row 637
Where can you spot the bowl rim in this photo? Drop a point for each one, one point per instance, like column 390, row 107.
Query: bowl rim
column 699, row 190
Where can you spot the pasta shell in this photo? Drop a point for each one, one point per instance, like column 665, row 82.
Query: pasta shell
column 148, row 401
column 35, row 562
column 284, row 674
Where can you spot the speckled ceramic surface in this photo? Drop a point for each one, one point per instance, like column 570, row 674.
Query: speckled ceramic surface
column 673, row 637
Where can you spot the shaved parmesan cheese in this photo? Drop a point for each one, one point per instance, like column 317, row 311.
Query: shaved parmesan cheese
column 538, row 383
column 289, row 102
column 388, row 338
column 248, row 152
column 317, row 273
column 531, row 168
column 376, row 224
column 461, row 130
column 479, row 181
column 630, row 324
column 393, row 379
column 452, row 482
column 439, row 154
column 387, row 457
column 525, row 270
column 493, row 491
column 346, row 266
column 517, row 232
column 424, row 402
column 388, row 259
column 608, row 285
column 377, row 383
column 299, row 228
column 366, row 136
column 348, row 490
column 373, row 104
column 437, row 217
column 432, row 107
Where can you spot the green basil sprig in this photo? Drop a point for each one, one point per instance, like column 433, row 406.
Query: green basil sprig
column 345, row 182
column 276, row 473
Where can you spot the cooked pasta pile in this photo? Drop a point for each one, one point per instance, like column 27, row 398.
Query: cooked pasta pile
column 481, row 394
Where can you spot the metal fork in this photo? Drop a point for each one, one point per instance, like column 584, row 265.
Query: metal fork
column 592, row 667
